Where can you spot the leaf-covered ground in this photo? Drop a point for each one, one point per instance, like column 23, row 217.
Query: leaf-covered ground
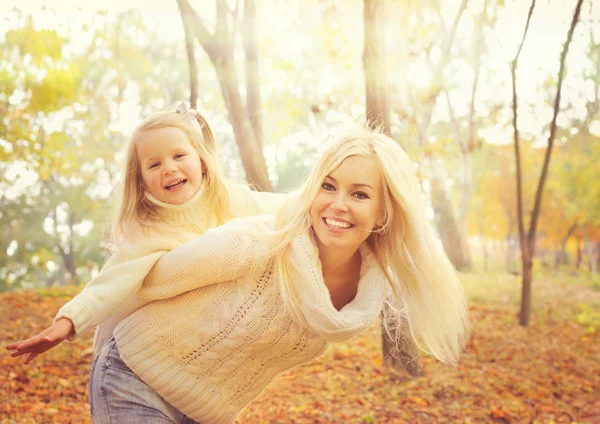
column 546, row 373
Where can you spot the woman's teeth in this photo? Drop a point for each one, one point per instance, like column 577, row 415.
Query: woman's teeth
column 337, row 224
column 175, row 184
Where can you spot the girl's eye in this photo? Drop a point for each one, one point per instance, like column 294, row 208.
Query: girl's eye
column 328, row 187
column 179, row 155
column 154, row 165
column 361, row 195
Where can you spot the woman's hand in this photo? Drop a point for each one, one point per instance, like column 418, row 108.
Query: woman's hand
column 46, row 340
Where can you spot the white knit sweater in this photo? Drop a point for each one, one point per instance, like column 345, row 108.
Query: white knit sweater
column 209, row 349
column 112, row 294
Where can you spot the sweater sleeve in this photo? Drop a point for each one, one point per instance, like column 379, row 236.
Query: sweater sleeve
column 221, row 254
column 246, row 202
column 268, row 202
column 120, row 277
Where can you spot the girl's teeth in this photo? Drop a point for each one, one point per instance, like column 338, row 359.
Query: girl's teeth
column 177, row 184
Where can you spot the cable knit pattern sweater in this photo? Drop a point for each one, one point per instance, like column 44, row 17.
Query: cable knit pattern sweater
column 112, row 294
column 215, row 332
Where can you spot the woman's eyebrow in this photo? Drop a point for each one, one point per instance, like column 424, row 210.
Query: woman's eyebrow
column 353, row 185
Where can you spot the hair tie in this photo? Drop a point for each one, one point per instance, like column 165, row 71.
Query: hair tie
column 189, row 113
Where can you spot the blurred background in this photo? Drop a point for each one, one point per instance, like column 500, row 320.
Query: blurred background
column 74, row 82
column 278, row 77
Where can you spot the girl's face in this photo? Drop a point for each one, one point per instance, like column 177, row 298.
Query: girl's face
column 171, row 168
column 348, row 204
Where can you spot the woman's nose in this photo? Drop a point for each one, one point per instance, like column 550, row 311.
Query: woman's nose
column 339, row 204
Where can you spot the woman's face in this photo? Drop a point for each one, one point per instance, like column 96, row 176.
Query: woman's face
column 348, row 204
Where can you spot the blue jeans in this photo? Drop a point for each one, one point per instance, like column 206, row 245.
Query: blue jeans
column 118, row 396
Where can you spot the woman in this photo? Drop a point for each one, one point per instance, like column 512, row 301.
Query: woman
column 259, row 296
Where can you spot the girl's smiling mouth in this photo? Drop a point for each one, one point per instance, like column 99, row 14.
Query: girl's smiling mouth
column 175, row 185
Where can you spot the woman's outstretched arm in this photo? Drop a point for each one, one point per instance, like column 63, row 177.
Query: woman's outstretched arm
column 221, row 254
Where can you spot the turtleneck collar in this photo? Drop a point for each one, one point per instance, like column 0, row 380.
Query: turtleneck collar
column 189, row 212
column 321, row 315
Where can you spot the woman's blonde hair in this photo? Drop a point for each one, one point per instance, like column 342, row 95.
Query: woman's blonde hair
column 422, row 278
column 132, row 210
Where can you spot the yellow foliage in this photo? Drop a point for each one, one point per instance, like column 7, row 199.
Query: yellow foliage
column 58, row 89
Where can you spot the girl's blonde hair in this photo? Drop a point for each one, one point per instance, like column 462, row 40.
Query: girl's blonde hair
column 132, row 210
column 422, row 278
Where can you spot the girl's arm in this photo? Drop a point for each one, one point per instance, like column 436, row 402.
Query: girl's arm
column 221, row 254
column 268, row 202
column 120, row 277
column 246, row 202
column 43, row 341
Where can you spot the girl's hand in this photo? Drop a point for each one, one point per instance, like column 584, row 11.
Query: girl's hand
column 46, row 340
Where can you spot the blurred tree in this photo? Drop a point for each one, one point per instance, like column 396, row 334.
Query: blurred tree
column 377, row 109
column 220, row 49
column 378, row 116
column 250, row 40
column 424, row 47
column 38, row 85
column 189, row 47
column 59, row 134
column 527, row 241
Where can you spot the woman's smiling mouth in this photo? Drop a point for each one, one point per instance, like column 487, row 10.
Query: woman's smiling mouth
column 337, row 224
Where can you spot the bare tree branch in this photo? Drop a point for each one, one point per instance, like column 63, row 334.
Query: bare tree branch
column 561, row 72
column 202, row 34
column 253, row 98
column 438, row 72
column 476, row 72
column 189, row 47
column 455, row 126
column 513, row 70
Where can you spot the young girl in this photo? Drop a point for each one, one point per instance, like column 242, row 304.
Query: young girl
column 258, row 296
column 172, row 191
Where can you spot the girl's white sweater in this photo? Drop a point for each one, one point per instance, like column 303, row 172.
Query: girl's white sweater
column 112, row 294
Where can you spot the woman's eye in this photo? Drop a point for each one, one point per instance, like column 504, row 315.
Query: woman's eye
column 327, row 186
column 361, row 195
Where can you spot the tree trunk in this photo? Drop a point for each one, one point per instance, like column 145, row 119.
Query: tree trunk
column 437, row 75
column 250, row 40
column 527, row 240
column 189, row 47
column 377, row 115
column 563, row 254
column 407, row 358
column 465, row 184
column 589, row 251
column 509, row 249
column 484, row 250
column 219, row 47
column 525, row 312
column 468, row 148
column 447, row 224
column 68, row 256
column 250, row 151
column 463, row 208
column 377, row 110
